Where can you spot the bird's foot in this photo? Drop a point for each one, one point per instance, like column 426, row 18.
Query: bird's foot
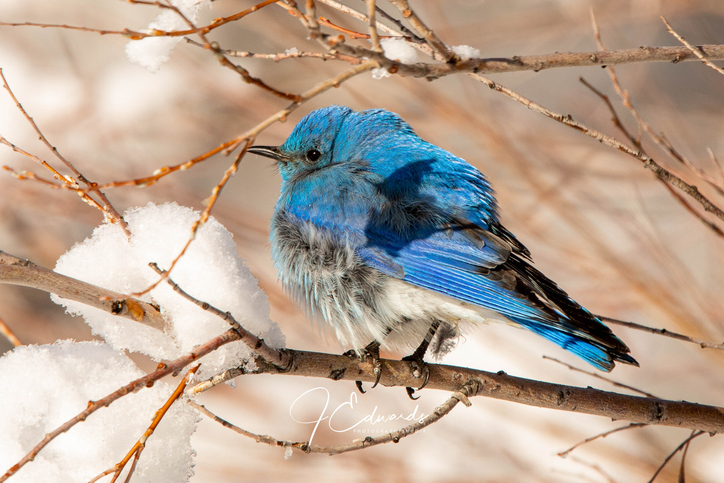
column 419, row 369
column 371, row 353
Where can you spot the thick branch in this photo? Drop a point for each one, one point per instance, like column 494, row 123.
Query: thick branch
column 17, row 271
column 514, row 389
column 536, row 62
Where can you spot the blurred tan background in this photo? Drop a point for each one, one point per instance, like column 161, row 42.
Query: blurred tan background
column 595, row 220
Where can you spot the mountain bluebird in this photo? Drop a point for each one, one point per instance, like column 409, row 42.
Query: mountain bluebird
column 394, row 241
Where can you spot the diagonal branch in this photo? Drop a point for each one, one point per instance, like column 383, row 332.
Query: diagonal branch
column 648, row 162
column 693, row 49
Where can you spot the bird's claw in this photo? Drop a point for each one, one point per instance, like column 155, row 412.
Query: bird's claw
column 419, row 369
column 371, row 353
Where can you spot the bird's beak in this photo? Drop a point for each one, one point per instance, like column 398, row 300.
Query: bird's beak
column 270, row 152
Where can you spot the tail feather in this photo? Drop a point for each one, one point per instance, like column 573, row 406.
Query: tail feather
column 564, row 322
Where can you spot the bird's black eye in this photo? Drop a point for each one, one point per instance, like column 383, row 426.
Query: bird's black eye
column 313, row 155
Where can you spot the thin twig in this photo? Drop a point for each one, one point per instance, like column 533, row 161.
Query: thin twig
column 224, row 61
column 273, row 356
column 352, row 34
column 565, row 453
column 140, row 445
column 682, row 466
column 107, row 209
column 6, row 331
column 603, row 378
column 693, row 49
column 659, row 139
column 407, row 32
column 615, row 119
column 371, row 20
column 447, row 55
column 648, row 162
column 293, row 54
column 704, row 344
column 636, row 141
column 467, row 389
column 314, row 32
column 358, row 15
column 694, row 434
column 203, row 218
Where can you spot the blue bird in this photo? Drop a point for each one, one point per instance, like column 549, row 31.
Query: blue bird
column 394, row 241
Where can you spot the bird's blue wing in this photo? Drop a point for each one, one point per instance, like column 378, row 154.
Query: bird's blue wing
column 484, row 269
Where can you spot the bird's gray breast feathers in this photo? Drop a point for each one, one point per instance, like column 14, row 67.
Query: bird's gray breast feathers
column 322, row 270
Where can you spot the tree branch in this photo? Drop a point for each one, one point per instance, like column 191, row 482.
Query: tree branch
column 16, row 271
column 500, row 385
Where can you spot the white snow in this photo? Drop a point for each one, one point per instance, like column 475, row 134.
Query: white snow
column 466, row 52
column 400, row 50
column 211, row 271
column 380, row 73
column 151, row 52
column 41, row 387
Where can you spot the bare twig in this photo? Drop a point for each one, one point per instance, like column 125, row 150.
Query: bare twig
column 374, row 35
column 273, row 356
column 682, row 466
column 660, row 140
column 404, row 30
column 636, row 141
column 565, row 453
column 693, row 49
column 313, row 25
column 153, row 33
column 685, row 443
column 259, row 438
column 293, row 54
column 224, row 61
column 438, row 413
column 203, row 218
column 166, row 170
column 704, row 344
column 358, row 15
column 8, row 333
column 598, row 376
column 145, row 381
column 648, row 162
column 135, row 452
column 447, row 55
column 107, row 209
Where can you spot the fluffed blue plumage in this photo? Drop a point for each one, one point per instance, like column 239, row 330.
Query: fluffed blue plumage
column 382, row 234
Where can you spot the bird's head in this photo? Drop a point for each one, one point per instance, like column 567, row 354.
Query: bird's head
column 311, row 144
column 337, row 134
